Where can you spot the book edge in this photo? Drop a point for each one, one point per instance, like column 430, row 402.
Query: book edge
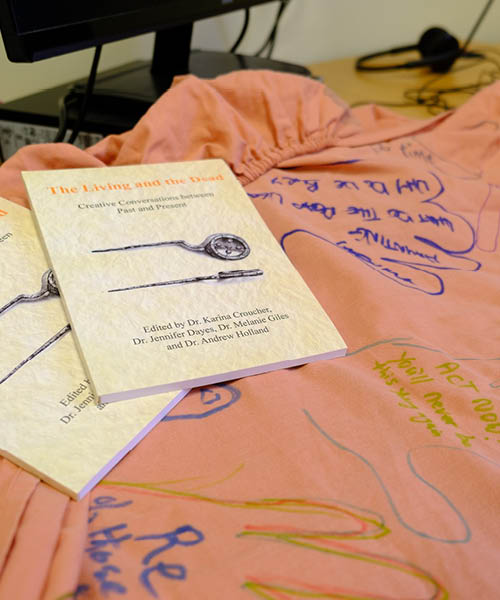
column 79, row 494
column 219, row 377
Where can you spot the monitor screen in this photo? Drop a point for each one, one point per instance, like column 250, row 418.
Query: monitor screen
column 34, row 31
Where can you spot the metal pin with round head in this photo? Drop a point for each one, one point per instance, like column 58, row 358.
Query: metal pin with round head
column 48, row 287
column 225, row 246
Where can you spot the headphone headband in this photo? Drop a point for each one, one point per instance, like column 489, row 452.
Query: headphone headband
column 438, row 49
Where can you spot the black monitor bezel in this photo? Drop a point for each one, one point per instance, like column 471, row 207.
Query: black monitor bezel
column 63, row 39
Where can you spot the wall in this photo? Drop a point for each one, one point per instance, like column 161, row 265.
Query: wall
column 311, row 31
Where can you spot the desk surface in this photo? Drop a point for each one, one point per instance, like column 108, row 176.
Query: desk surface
column 388, row 88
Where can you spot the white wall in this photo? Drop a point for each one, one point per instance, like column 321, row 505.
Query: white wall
column 310, row 31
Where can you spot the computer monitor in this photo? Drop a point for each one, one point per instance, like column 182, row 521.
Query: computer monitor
column 34, row 31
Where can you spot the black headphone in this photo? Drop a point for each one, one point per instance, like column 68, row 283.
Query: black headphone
column 438, row 49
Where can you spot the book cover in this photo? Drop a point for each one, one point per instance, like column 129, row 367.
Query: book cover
column 171, row 279
column 52, row 424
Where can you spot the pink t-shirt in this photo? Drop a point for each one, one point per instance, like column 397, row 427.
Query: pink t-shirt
column 369, row 476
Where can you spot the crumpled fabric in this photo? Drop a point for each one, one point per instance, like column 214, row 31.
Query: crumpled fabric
column 369, row 476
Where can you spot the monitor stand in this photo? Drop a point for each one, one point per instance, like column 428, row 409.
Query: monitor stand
column 136, row 88
column 121, row 95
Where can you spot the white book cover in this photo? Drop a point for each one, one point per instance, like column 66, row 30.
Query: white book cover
column 52, row 424
column 171, row 279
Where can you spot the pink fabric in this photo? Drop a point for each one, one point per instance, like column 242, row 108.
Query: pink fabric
column 370, row 476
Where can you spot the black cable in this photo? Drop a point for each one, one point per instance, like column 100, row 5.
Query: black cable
column 242, row 32
column 63, row 121
column 271, row 39
column 478, row 22
column 64, row 104
column 434, row 98
column 274, row 32
column 88, row 92
column 71, row 99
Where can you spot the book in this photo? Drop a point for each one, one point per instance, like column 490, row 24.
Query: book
column 52, row 424
column 171, row 279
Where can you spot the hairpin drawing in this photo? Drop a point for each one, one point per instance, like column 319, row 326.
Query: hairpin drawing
column 47, row 288
column 38, row 351
column 216, row 276
column 225, row 246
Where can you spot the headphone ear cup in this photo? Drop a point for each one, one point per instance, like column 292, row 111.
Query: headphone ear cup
column 438, row 43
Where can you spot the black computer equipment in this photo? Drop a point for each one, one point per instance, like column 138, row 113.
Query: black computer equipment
column 34, row 31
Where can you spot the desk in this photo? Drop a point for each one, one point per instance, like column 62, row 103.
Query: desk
column 388, row 87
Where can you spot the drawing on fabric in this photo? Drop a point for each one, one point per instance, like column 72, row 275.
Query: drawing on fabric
column 341, row 523
column 205, row 402
column 488, row 241
column 431, row 240
column 415, row 149
column 330, row 539
column 225, row 246
column 48, row 288
column 404, row 369
column 267, row 196
column 416, row 384
column 466, row 533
